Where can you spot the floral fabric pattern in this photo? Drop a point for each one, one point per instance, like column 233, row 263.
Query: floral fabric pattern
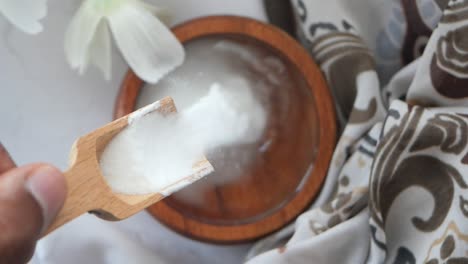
column 397, row 187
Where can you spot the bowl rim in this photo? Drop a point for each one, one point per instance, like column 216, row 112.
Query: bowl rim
column 300, row 58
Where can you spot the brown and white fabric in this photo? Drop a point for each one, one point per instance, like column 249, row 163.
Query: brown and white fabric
column 397, row 187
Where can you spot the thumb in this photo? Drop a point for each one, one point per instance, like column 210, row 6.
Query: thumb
column 30, row 197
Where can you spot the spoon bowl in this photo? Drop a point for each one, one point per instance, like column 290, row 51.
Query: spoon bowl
column 87, row 187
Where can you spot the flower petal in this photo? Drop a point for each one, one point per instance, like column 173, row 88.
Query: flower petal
column 146, row 43
column 100, row 50
column 25, row 14
column 80, row 34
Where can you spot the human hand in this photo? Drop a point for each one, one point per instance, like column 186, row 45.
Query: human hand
column 30, row 198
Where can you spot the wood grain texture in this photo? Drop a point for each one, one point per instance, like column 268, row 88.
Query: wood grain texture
column 237, row 212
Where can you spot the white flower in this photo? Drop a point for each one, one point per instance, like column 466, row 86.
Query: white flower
column 147, row 45
column 24, row 14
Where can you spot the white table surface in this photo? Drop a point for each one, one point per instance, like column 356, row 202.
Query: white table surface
column 45, row 106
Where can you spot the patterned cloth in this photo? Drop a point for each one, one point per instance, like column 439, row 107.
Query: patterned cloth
column 397, row 187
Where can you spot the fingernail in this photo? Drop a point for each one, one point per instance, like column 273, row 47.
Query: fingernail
column 47, row 185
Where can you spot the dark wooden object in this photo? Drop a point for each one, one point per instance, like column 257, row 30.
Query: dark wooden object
column 279, row 185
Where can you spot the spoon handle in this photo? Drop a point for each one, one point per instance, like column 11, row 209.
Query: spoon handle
column 86, row 189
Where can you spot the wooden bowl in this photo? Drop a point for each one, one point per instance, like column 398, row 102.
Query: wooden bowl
column 282, row 181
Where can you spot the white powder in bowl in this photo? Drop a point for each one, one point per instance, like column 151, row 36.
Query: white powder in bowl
column 156, row 151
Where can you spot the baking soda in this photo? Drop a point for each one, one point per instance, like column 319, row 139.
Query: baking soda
column 231, row 64
column 156, row 151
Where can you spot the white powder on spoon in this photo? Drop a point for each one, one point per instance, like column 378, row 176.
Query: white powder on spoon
column 156, row 151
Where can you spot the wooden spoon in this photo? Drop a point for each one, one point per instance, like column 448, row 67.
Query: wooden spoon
column 87, row 188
